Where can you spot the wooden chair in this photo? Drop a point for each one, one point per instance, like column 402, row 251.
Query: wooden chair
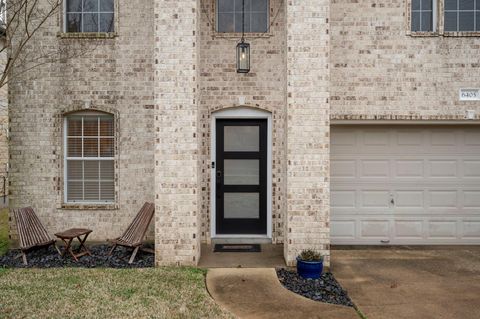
column 133, row 236
column 31, row 232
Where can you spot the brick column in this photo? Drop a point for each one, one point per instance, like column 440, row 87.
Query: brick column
column 176, row 146
column 307, row 222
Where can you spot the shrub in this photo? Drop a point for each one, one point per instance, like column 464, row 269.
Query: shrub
column 310, row 255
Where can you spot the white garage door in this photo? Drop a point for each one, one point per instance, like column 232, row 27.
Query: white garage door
column 405, row 185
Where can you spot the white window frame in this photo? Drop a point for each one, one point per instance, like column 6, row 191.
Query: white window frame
column 249, row 12
column 434, row 17
column 65, row 17
column 66, row 158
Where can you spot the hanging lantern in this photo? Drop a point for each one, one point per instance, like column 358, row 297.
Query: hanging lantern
column 243, row 57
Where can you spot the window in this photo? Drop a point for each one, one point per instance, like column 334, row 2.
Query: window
column 89, row 16
column 423, row 15
column 230, row 12
column 89, row 158
column 462, row 15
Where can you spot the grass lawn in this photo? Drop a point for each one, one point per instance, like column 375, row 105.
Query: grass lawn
column 103, row 293
column 3, row 231
column 106, row 293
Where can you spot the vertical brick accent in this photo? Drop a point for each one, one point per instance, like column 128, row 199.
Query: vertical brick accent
column 3, row 130
column 176, row 148
column 307, row 127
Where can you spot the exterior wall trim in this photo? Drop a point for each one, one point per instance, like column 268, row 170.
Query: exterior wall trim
column 242, row 112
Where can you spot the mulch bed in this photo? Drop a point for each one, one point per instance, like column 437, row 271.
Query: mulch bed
column 49, row 258
column 325, row 289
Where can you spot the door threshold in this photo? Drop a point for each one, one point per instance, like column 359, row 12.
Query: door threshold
column 241, row 239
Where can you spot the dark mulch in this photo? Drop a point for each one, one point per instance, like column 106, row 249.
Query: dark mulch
column 325, row 289
column 49, row 258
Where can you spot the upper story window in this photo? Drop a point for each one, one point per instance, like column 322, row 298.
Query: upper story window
column 89, row 16
column 423, row 15
column 462, row 15
column 230, row 13
column 89, row 158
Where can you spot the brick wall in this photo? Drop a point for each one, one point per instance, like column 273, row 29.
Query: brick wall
column 263, row 88
column 114, row 75
column 378, row 71
column 308, row 128
column 176, row 121
column 3, row 130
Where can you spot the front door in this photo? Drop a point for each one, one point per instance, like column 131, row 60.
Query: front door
column 241, row 177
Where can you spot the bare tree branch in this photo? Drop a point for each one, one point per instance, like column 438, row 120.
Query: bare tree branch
column 24, row 48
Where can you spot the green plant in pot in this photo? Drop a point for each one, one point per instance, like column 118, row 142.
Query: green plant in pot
column 310, row 264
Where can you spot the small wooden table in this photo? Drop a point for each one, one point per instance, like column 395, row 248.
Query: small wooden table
column 69, row 235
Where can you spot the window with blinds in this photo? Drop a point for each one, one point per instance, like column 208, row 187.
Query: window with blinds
column 89, row 158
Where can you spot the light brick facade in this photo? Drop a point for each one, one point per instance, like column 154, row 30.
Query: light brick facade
column 176, row 125
column 3, row 132
column 378, row 71
column 115, row 75
column 166, row 71
column 308, row 128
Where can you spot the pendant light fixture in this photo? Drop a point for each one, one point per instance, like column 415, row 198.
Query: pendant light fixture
column 243, row 48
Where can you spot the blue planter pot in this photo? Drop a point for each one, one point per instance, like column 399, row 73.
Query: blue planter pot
column 309, row 269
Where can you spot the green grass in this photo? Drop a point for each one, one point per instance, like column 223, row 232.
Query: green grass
column 3, row 231
column 106, row 293
column 103, row 293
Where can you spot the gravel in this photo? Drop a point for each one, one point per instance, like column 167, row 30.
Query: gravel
column 325, row 289
column 49, row 258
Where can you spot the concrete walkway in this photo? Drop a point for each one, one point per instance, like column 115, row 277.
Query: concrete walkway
column 411, row 282
column 257, row 293
column 271, row 256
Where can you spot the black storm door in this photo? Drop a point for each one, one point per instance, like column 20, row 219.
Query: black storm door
column 241, row 177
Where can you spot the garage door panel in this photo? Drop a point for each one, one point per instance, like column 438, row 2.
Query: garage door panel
column 374, row 228
column 443, row 168
column 411, row 229
column 443, row 138
column 343, row 168
column 343, row 229
column 442, row 229
column 432, row 174
column 472, row 138
column 471, row 169
column 471, row 229
column 471, row 199
column 410, row 199
column 373, row 138
column 343, row 199
column 374, row 168
column 410, row 168
column 443, row 199
column 374, row 199
column 409, row 138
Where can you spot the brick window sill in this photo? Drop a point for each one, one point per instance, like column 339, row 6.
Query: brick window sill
column 424, row 34
column 444, row 34
column 89, row 207
column 238, row 35
column 87, row 35
column 461, row 34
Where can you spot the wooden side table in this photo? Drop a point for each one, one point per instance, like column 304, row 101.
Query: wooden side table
column 69, row 235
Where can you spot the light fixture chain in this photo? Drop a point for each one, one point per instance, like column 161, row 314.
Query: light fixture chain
column 243, row 20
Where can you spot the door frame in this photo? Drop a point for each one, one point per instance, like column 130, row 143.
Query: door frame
column 239, row 113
